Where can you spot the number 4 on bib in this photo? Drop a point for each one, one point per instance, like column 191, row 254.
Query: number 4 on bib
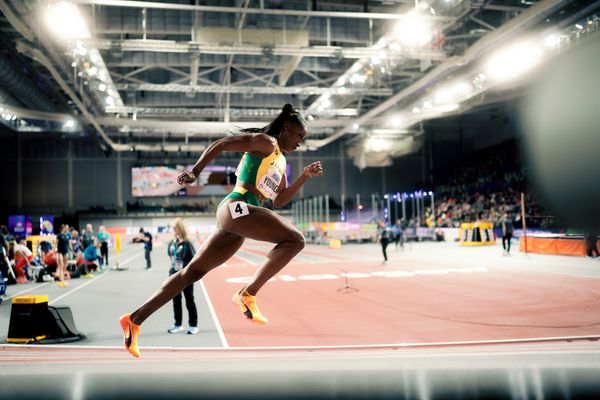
column 238, row 209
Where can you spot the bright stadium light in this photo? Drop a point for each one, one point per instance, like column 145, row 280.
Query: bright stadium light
column 396, row 121
column 414, row 30
column 461, row 88
column 552, row 41
column 443, row 96
column 513, row 61
column 376, row 144
column 64, row 20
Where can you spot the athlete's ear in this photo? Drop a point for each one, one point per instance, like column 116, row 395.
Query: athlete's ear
column 284, row 128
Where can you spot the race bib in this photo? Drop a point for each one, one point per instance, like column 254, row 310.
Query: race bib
column 269, row 183
column 238, row 209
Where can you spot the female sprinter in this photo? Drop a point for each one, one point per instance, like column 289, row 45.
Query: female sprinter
column 62, row 250
column 261, row 175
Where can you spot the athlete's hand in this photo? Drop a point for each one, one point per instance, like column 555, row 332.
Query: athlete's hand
column 314, row 169
column 186, row 177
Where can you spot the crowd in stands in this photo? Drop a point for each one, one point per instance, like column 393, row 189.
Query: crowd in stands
column 87, row 254
column 486, row 187
column 203, row 205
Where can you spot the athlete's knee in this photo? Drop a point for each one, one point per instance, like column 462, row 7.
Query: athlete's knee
column 297, row 240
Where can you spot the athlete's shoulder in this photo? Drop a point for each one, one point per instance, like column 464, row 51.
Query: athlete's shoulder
column 263, row 144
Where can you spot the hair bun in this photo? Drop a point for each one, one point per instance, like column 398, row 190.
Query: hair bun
column 288, row 108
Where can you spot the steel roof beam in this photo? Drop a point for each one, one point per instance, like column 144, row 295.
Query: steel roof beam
column 168, row 46
column 178, row 88
column 262, row 11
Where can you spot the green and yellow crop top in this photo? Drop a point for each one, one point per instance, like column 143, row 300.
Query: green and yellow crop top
column 264, row 173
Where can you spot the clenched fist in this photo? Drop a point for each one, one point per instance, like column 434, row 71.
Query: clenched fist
column 314, row 169
column 185, row 178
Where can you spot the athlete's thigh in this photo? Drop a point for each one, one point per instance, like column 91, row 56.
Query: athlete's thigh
column 256, row 223
column 215, row 250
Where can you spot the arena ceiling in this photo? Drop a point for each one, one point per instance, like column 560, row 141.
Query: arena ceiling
column 172, row 75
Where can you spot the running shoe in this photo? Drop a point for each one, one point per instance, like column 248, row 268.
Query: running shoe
column 131, row 332
column 193, row 330
column 175, row 329
column 247, row 304
column 62, row 284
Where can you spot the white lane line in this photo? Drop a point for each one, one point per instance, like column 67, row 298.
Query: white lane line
column 129, row 260
column 27, row 290
column 95, row 279
column 546, row 341
column 214, row 316
column 77, row 288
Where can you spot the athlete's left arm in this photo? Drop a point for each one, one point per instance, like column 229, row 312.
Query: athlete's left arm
column 285, row 193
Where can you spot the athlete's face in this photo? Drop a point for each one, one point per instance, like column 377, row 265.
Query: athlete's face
column 292, row 136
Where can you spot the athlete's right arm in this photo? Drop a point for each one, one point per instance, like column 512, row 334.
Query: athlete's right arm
column 258, row 143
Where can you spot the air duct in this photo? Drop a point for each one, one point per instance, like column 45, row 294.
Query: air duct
column 20, row 86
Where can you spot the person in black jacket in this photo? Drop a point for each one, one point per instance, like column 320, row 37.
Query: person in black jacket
column 181, row 251
column 384, row 238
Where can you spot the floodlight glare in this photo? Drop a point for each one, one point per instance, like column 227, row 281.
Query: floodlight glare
column 375, row 144
column 443, row 96
column 396, row 121
column 552, row 41
column 513, row 61
column 414, row 30
column 64, row 20
column 461, row 88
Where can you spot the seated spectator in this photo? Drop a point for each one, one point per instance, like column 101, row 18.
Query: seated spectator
column 49, row 262
column 89, row 262
column 23, row 261
column 43, row 248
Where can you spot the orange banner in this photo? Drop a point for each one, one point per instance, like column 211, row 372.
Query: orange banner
column 563, row 247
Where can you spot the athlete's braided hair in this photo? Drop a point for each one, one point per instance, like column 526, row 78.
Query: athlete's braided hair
column 288, row 113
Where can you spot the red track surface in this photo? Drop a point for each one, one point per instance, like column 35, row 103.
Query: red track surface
column 492, row 304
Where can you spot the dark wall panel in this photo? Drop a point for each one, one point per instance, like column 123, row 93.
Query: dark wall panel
column 84, row 187
column 8, row 198
column 56, row 179
column 106, row 182
column 34, row 183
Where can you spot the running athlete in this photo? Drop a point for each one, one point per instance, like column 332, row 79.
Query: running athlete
column 261, row 176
